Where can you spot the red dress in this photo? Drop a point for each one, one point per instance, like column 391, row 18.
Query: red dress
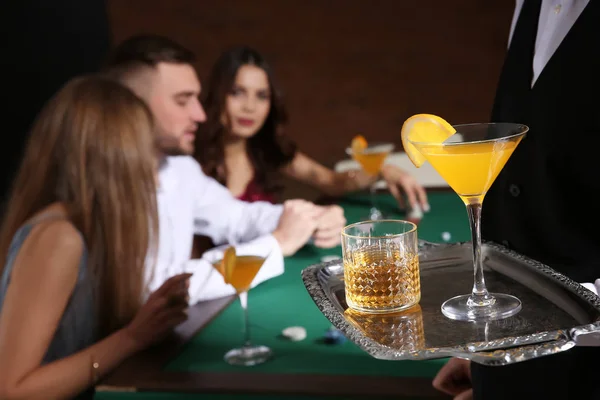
column 254, row 192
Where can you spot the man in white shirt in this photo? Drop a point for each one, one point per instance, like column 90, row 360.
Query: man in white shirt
column 160, row 71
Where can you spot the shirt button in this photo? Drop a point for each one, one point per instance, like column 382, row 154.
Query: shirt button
column 514, row 190
column 506, row 244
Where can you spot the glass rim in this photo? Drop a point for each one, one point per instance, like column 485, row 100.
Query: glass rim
column 391, row 236
column 369, row 149
column 505, row 138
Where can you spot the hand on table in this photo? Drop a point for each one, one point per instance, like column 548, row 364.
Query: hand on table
column 330, row 222
column 454, row 379
column 296, row 225
column 399, row 181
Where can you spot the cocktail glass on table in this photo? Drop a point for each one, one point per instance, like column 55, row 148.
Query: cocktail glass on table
column 239, row 271
column 371, row 158
column 469, row 157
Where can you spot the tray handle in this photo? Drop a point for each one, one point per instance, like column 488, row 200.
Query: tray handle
column 518, row 354
column 587, row 335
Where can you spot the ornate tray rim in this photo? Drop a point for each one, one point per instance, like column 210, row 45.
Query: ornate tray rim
column 517, row 348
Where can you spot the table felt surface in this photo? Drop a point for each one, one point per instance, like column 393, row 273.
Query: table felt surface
column 283, row 301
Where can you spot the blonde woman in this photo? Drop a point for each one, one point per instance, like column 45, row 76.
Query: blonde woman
column 77, row 229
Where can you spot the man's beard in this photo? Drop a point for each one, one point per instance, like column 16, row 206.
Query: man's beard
column 170, row 146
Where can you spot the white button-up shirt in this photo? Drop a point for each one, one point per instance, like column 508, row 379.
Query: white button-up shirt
column 189, row 202
column 555, row 21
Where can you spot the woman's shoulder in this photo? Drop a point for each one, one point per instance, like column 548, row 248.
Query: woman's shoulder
column 54, row 240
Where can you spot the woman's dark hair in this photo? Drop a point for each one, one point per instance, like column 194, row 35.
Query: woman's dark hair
column 269, row 149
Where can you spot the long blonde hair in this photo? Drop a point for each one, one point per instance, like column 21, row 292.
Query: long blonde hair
column 92, row 148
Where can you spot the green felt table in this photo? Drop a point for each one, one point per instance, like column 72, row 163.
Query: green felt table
column 304, row 369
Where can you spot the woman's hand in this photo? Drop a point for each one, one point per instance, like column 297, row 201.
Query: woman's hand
column 163, row 311
column 400, row 182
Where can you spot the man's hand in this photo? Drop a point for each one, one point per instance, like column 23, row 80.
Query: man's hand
column 455, row 379
column 330, row 222
column 296, row 225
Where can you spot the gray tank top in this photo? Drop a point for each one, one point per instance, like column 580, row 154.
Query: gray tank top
column 77, row 327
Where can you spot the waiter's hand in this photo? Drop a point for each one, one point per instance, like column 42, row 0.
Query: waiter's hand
column 455, row 379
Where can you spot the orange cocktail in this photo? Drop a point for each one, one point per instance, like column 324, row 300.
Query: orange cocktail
column 239, row 271
column 469, row 169
column 244, row 272
column 371, row 158
column 469, row 157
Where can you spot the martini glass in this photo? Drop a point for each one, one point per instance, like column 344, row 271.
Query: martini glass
column 469, row 161
column 371, row 160
column 244, row 272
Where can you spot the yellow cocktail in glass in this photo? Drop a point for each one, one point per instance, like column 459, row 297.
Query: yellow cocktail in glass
column 371, row 159
column 469, row 169
column 239, row 271
column 469, row 160
column 246, row 268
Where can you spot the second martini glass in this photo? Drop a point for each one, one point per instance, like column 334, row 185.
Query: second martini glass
column 240, row 273
column 371, row 159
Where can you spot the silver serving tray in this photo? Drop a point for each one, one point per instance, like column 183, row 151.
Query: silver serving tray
column 557, row 312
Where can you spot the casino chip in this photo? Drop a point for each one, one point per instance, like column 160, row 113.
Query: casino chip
column 294, row 333
column 333, row 336
column 415, row 215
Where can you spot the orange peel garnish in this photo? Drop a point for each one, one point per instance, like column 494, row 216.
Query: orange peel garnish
column 229, row 259
column 359, row 144
column 425, row 128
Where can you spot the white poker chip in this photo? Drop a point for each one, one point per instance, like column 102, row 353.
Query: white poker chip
column 446, row 236
column 415, row 213
column 330, row 258
column 294, row 333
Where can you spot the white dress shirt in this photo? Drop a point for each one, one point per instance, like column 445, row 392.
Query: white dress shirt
column 556, row 19
column 189, row 202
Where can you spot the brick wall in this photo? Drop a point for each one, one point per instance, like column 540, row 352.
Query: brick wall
column 347, row 66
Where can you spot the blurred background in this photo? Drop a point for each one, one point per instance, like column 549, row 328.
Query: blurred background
column 345, row 66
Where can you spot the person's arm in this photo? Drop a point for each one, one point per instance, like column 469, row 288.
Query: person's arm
column 42, row 280
column 306, row 170
column 222, row 217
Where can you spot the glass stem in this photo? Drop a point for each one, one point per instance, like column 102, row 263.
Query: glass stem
column 244, row 303
column 480, row 295
column 375, row 213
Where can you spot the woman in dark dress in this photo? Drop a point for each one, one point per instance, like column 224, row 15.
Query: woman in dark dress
column 243, row 146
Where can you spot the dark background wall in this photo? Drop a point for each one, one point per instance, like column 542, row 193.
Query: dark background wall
column 346, row 66
column 44, row 44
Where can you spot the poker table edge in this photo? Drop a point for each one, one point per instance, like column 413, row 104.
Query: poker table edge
column 133, row 372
